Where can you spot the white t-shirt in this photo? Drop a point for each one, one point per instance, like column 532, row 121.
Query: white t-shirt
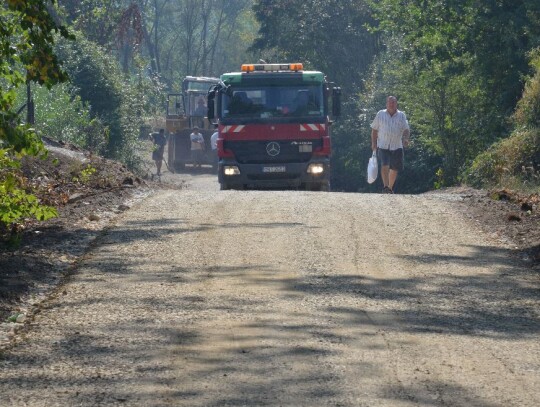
column 197, row 141
column 213, row 140
column 390, row 129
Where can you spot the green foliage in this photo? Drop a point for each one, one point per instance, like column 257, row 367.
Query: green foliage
column 528, row 109
column 428, row 61
column 452, row 116
column 352, row 145
column 511, row 29
column 61, row 115
column 440, row 62
column 351, row 150
column 16, row 203
column 16, row 200
column 452, row 30
column 85, row 174
column 26, row 40
column 175, row 38
column 120, row 102
column 138, row 102
column 97, row 19
column 330, row 36
column 515, row 160
column 99, row 82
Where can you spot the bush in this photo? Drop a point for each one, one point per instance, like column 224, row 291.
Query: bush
column 528, row 108
column 98, row 80
column 119, row 101
column 515, row 160
column 61, row 115
column 17, row 203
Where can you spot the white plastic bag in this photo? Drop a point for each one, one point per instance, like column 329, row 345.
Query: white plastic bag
column 372, row 169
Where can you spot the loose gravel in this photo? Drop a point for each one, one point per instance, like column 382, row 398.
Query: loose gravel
column 198, row 297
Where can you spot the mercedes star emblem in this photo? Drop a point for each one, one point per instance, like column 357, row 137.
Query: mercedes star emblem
column 273, row 149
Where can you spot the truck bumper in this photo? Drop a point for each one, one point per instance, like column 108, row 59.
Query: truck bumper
column 275, row 175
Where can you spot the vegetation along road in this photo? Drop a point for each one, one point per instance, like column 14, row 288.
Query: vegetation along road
column 198, row 297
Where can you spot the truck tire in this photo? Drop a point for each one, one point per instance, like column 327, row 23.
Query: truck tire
column 325, row 186
column 224, row 187
column 320, row 186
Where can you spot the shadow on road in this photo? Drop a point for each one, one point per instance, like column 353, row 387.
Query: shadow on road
column 498, row 305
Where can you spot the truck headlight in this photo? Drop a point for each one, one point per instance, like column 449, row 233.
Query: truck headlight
column 315, row 169
column 231, row 170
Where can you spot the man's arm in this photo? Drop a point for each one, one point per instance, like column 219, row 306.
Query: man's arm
column 374, row 136
column 405, row 137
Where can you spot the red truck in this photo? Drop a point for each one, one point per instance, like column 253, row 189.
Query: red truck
column 274, row 127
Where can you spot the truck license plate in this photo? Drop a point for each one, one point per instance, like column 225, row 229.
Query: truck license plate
column 275, row 168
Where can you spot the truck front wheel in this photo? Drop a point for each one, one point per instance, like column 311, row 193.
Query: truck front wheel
column 322, row 186
column 325, row 187
column 226, row 187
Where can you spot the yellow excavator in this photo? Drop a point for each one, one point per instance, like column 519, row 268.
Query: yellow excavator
column 185, row 111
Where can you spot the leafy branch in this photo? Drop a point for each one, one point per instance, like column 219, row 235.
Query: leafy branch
column 26, row 39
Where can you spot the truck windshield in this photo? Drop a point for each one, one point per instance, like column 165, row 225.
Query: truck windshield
column 201, row 86
column 197, row 102
column 274, row 102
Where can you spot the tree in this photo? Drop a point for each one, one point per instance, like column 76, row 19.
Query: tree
column 515, row 161
column 97, row 19
column 99, row 82
column 130, row 37
column 60, row 114
column 174, row 38
column 450, row 30
column 26, row 40
column 119, row 101
column 329, row 35
column 460, row 91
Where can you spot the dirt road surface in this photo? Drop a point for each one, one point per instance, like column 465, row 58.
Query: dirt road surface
column 197, row 297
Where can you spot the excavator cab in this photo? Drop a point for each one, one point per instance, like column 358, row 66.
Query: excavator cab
column 185, row 111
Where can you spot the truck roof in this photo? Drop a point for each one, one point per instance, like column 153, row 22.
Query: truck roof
column 200, row 79
column 305, row 76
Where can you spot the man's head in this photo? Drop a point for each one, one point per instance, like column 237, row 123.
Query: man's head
column 391, row 104
column 195, row 129
column 161, row 131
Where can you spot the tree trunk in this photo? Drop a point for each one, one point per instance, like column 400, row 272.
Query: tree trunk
column 216, row 38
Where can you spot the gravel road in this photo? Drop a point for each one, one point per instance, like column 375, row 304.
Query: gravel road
column 200, row 297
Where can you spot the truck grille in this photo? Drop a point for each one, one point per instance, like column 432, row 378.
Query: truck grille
column 254, row 152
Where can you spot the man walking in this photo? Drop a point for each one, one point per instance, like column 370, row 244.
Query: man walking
column 159, row 140
column 389, row 135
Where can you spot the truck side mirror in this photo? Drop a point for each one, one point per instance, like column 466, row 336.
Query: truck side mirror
column 336, row 102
